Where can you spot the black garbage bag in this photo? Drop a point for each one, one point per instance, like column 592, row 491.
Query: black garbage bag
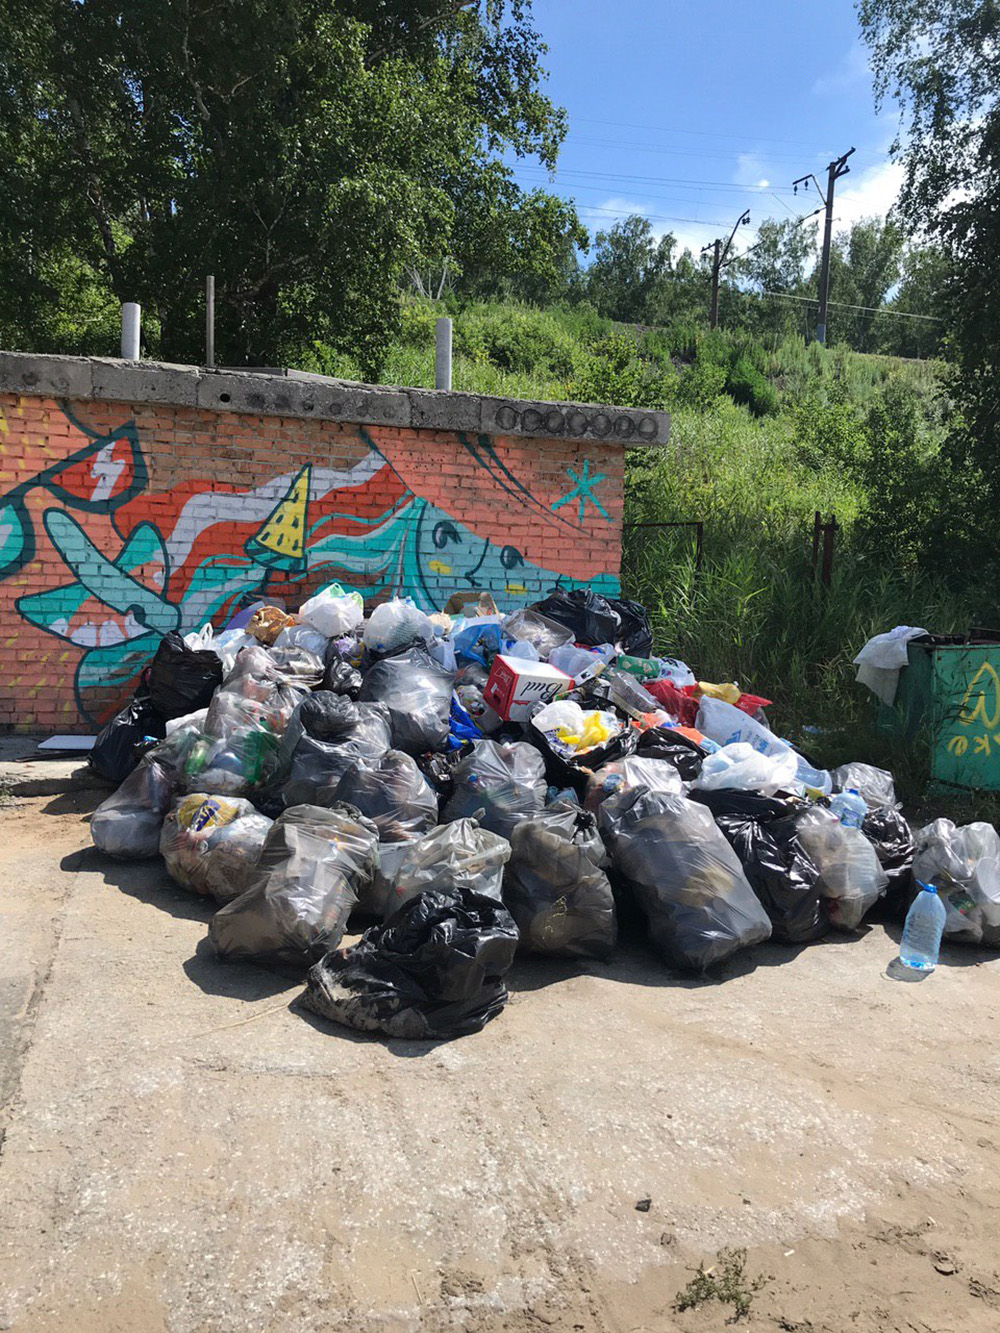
column 326, row 735
column 506, row 782
column 891, row 836
column 591, row 618
column 126, row 738
column 182, row 679
column 438, row 768
column 685, row 876
column 313, row 865
column 393, row 794
column 341, row 678
column 555, row 885
column 417, row 692
column 761, row 831
column 636, row 634
column 435, row 969
column 685, row 754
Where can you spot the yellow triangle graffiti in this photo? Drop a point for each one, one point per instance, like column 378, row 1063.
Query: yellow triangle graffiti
column 985, row 689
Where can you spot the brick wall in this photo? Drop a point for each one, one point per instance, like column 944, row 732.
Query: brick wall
column 122, row 520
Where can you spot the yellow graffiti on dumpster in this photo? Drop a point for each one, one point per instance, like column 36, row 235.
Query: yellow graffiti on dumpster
column 980, row 709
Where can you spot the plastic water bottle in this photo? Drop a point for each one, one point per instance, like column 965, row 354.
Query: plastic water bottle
column 922, row 932
column 850, row 808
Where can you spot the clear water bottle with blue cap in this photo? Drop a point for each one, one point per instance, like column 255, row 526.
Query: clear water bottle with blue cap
column 925, row 920
column 850, row 807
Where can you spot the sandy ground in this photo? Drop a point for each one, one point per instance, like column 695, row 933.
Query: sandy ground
column 184, row 1150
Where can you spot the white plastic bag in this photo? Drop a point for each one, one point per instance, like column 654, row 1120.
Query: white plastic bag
column 727, row 725
column 739, row 767
column 395, row 624
column 333, row 612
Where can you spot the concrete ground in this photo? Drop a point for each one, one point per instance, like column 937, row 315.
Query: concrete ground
column 185, row 1150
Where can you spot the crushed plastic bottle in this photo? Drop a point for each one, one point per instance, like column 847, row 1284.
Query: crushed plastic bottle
column 925, row 920
column 850, row 807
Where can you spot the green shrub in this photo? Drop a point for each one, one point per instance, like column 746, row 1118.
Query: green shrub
column 517, row 338
column 418, row 322
column 617, row 373
column 700, row 385
column 747, row 385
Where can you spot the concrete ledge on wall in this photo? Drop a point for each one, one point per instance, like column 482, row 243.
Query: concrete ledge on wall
column 290, row 393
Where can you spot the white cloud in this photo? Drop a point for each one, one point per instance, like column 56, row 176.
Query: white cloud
column 750, row 170
column 852, row 71
column 869, row 193
column 690, row 235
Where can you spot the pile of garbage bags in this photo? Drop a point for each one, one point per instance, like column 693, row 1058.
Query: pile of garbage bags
column 469, row 786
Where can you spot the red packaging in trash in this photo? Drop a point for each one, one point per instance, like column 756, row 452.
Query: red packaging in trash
column 750, row 703
column 517, row 685
column 683, row 706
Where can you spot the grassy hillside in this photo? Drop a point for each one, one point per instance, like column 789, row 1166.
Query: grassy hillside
column 763, row 436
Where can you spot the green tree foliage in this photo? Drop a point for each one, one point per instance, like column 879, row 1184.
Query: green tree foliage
column 923, row 296
column 629, row 269
column 941, row 63
column 776, row 264
column 864, row 266
column 307, row 153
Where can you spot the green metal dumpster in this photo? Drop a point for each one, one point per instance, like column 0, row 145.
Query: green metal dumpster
column 949, row 695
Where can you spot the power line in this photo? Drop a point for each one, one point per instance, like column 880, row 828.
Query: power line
column 652, row 217
column 655, row 180
column 719, row 154
column 712, row 134
column 844, row 305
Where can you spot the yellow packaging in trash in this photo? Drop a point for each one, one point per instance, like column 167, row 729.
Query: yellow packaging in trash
column 199, row 812
column 596, row 731
column 729, row 693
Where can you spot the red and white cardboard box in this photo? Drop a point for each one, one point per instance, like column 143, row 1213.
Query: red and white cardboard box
column 516, row 686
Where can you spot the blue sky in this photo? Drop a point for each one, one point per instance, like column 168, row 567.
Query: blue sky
column 689, row 112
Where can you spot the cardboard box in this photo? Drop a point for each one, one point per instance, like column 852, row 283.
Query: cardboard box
column 516, row 686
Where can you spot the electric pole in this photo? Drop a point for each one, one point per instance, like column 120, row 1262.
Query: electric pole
column 835, row 170
column 719, row 261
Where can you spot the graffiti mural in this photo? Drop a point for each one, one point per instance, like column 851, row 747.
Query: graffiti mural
column 100, row 555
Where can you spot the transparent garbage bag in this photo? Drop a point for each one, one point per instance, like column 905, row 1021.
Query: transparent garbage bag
column 186, row 831
column 394, row 624
column 308, row 875
column 685, row 876
column 876, row 785
column 333, row 611
column 232, row 853
column 740, row 767
column 555, row 884
column 435, row 970
column 417, row 693
column 128, row 823
column 451, row 856
column 632, row 771
column 964, row 865
column 302, row 636
column 393, row 793
column 327, row 735
column 850, row 875
column 503, row 782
